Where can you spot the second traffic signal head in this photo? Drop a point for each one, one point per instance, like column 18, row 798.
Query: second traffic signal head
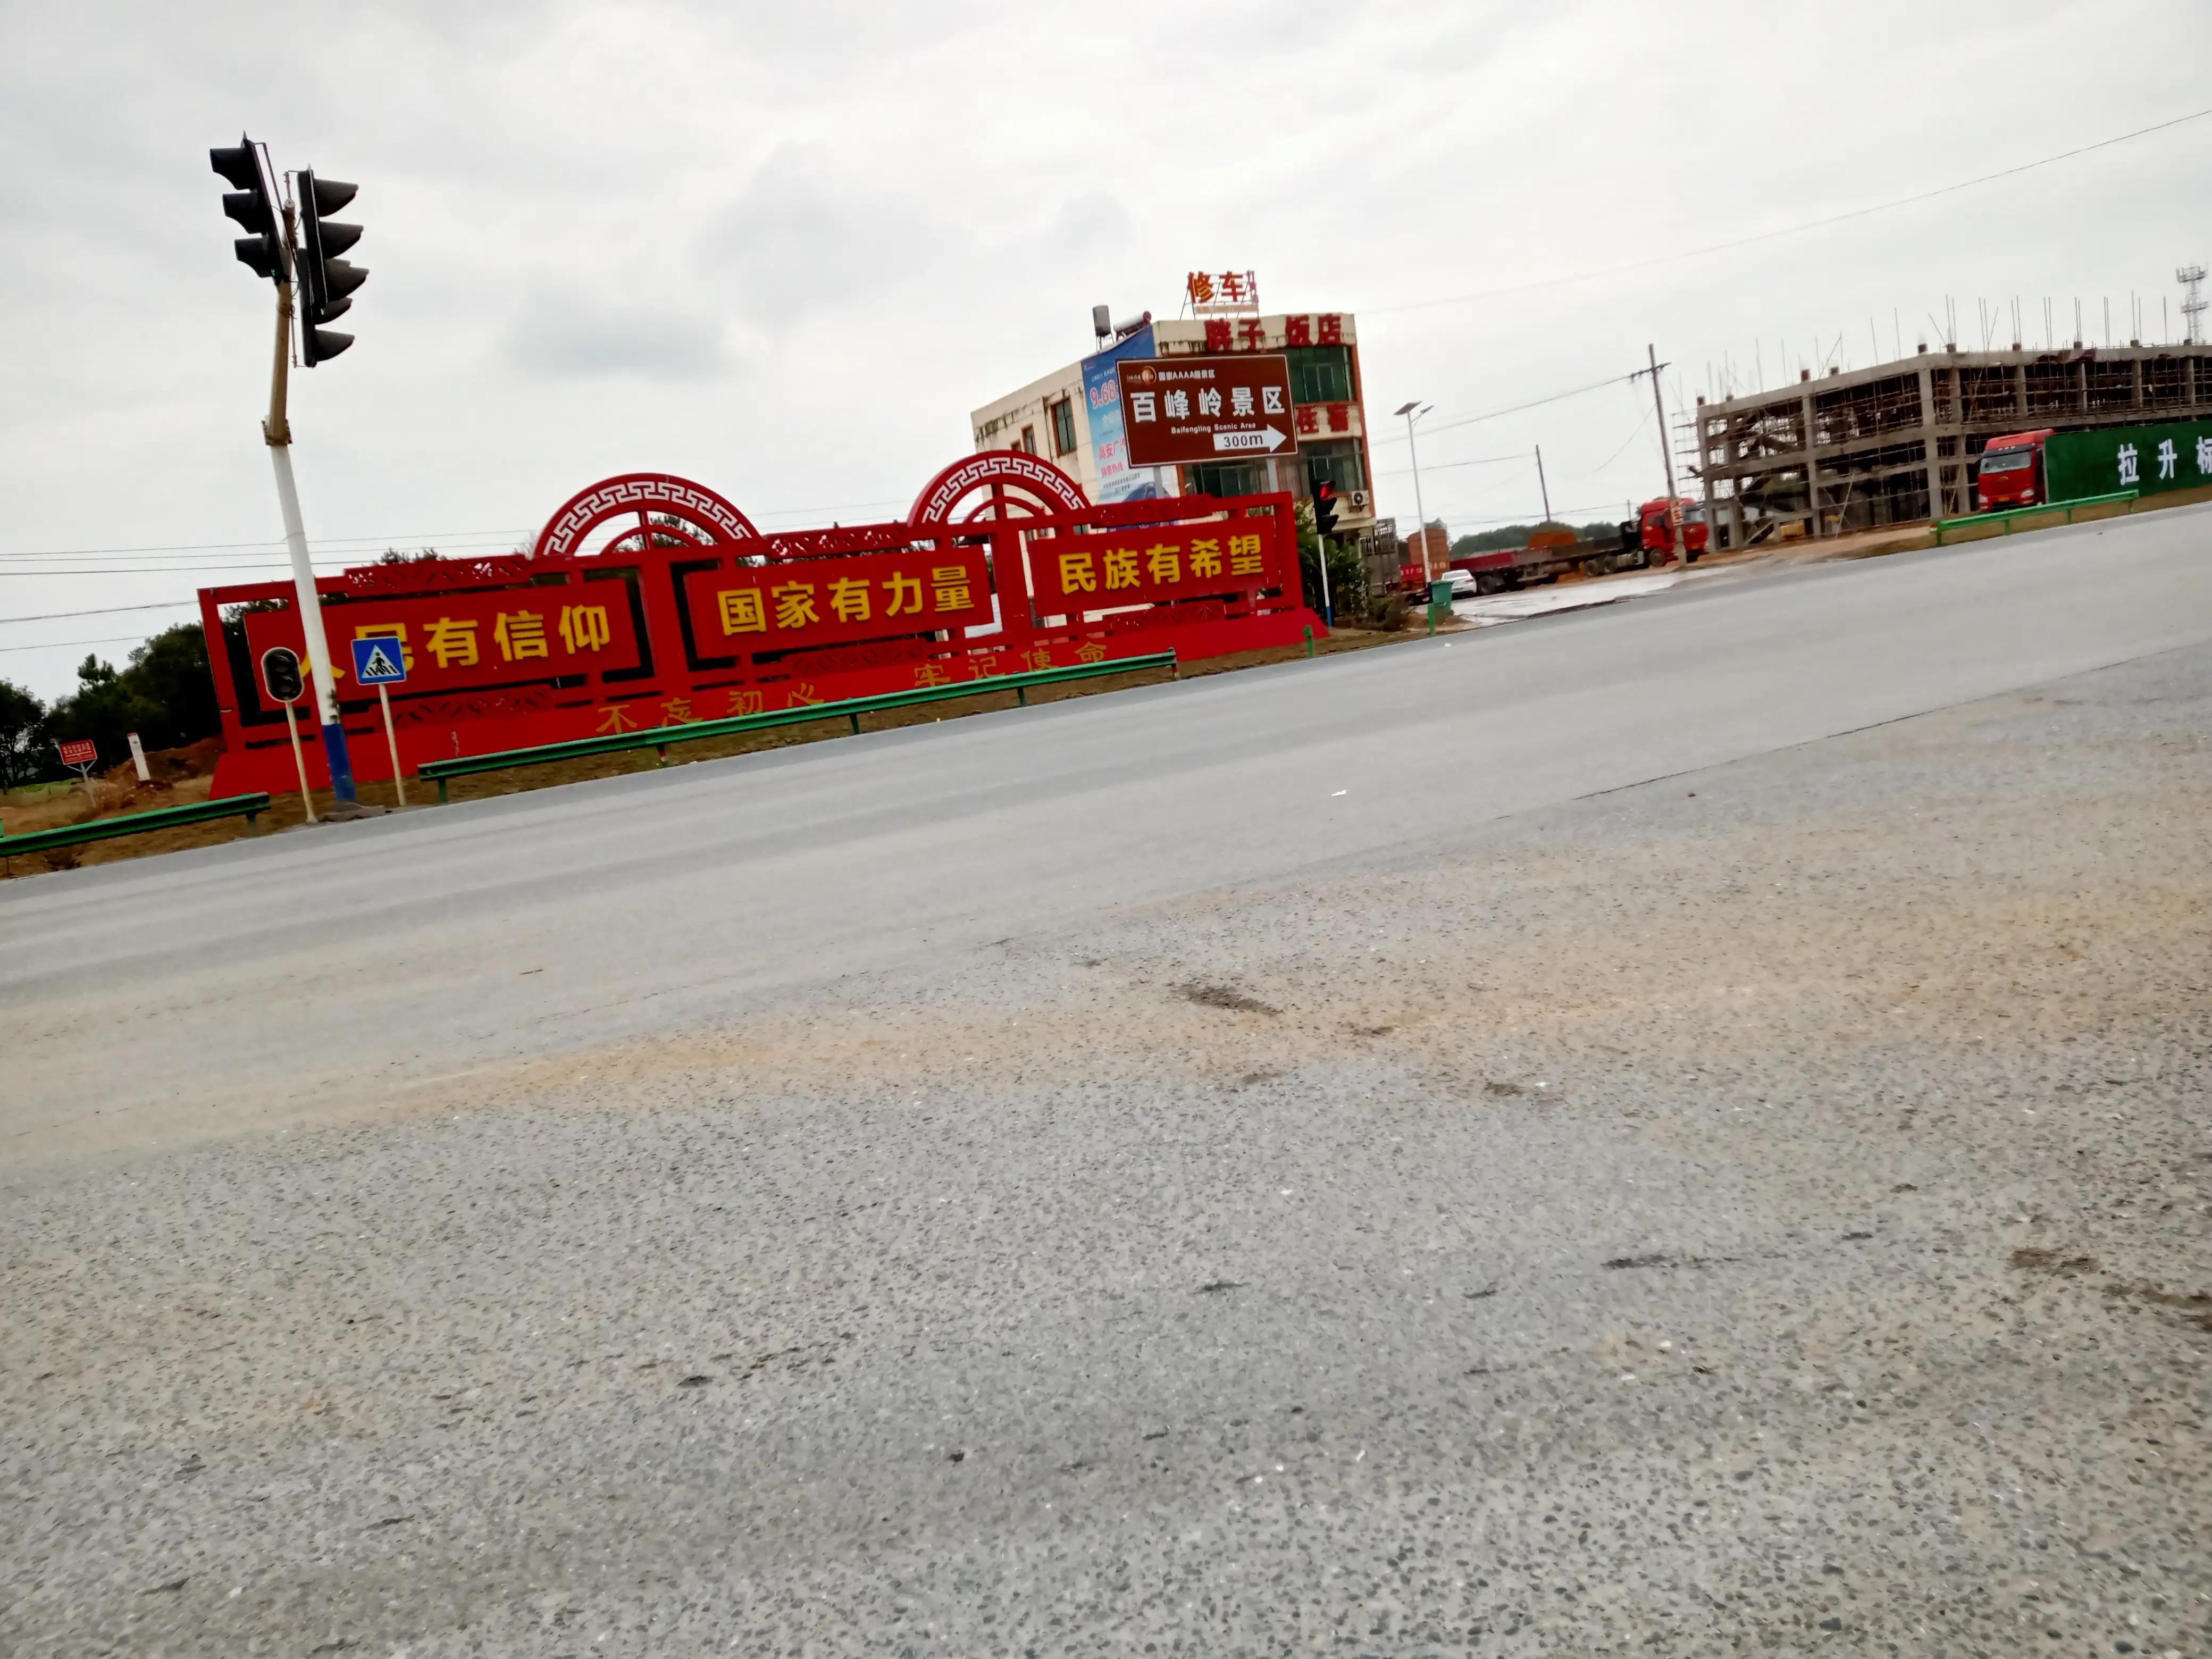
column 252, row 206
column 325, row 280
column 1324, row 500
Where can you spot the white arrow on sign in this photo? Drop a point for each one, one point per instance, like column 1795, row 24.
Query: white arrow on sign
column 1266, row 438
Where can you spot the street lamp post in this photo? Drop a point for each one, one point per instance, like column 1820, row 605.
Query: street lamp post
column 1412, row 412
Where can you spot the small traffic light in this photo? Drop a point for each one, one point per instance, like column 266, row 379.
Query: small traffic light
column 280, row 674
column 327, row 280
column 251, row 205
column 1324, row 509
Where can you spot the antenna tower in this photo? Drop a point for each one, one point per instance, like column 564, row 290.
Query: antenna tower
column 2192, row 278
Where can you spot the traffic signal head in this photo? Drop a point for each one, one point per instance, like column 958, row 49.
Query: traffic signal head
column 325, row 279
column 280, row 674
column 252, row 206
column 1324, row 509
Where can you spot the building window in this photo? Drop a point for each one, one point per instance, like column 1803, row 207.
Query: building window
column 1320, row 375
column 1063, row 426
column 1028, row 444
column 1230, row 478
column 1335, row 462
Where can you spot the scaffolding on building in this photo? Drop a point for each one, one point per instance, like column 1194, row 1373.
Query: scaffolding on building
column 1902, row 442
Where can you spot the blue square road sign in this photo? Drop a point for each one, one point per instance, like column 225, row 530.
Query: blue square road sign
column 378, row 662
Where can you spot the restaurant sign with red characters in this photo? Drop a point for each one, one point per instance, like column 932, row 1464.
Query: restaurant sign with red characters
column 651, row 602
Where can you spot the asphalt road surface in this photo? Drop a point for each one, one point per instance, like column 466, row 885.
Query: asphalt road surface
column 1677, row 1128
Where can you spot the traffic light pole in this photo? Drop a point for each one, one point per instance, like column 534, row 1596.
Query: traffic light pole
column 277, row 429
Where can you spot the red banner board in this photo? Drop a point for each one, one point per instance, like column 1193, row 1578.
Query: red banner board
column 1076, row 573
column 459, row 642
column 79, row 751
column 654, row 603
column 814, row 602
column 1177, row 410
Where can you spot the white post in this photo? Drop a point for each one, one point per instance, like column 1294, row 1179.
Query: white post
column 292, row 725
column 391, row 741
column 303, row 586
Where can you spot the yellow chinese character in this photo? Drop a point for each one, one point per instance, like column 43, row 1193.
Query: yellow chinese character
column 1166, row 563
column 385, row 631
column 906, row 595
column 794, row 604
column 1076, row 573
column 805, row 695
column 677, row 711
column 747, row 702
column 618, row 719
column 585, row 627
column 1244, row 555
column 453, row 643
column 1206, row 558
column 849, row 598
column 1120, row 567
column 950, row 582
column 986, row 665
column 930, row 674
column 1091, row 653
column 1039, row 657
column 520, row 634
column 742, row 611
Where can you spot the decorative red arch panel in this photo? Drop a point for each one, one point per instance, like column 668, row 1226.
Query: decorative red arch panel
column 687, row 612
column 1005, row 479
column 689, row 513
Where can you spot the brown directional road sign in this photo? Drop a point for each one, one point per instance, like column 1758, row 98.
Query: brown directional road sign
column 1178, row 410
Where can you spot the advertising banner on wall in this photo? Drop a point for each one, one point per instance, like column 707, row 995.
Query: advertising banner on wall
column 2174, row 455
column 1110, row 444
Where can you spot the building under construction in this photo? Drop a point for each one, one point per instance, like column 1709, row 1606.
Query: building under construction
column 1903, row 441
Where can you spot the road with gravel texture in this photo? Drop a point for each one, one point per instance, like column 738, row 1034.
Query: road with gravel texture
column 1675, row 1128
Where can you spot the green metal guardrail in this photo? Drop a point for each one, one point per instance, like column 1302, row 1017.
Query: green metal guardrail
column 442, row 772
column 2012, row 513
column 249, row 807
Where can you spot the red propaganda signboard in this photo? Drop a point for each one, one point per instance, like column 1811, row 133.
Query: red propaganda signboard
column 1075, row 573
column 82, row 751
column 1177, row 411
column 459, row 641
column 810, row 602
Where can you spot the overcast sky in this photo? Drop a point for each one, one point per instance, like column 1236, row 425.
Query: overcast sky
column 784, row 249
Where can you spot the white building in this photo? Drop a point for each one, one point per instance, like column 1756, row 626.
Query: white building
column 1051, row 417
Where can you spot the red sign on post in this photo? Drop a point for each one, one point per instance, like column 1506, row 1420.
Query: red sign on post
column 810, row 602
column 458, row 641
column 1075, row 573
column 1177, row 411
column 80, row 752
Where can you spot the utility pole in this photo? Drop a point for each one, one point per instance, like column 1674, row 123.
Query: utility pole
column 1541, row 485
column 1666, row 454
column 1412, row 412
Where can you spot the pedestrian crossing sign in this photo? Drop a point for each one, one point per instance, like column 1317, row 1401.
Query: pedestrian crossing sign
column 378, row 662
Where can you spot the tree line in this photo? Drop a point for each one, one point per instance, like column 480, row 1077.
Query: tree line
column 164, row 692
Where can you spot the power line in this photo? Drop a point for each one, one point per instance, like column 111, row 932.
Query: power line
column 335, row 545
column 109, row 610
column 1786, row 230
column 1446, row 466
column 74, row 644
column 1499, row 413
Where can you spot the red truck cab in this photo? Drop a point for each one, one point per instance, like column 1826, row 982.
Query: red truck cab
column 1656, row 531
column 2012, row 471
